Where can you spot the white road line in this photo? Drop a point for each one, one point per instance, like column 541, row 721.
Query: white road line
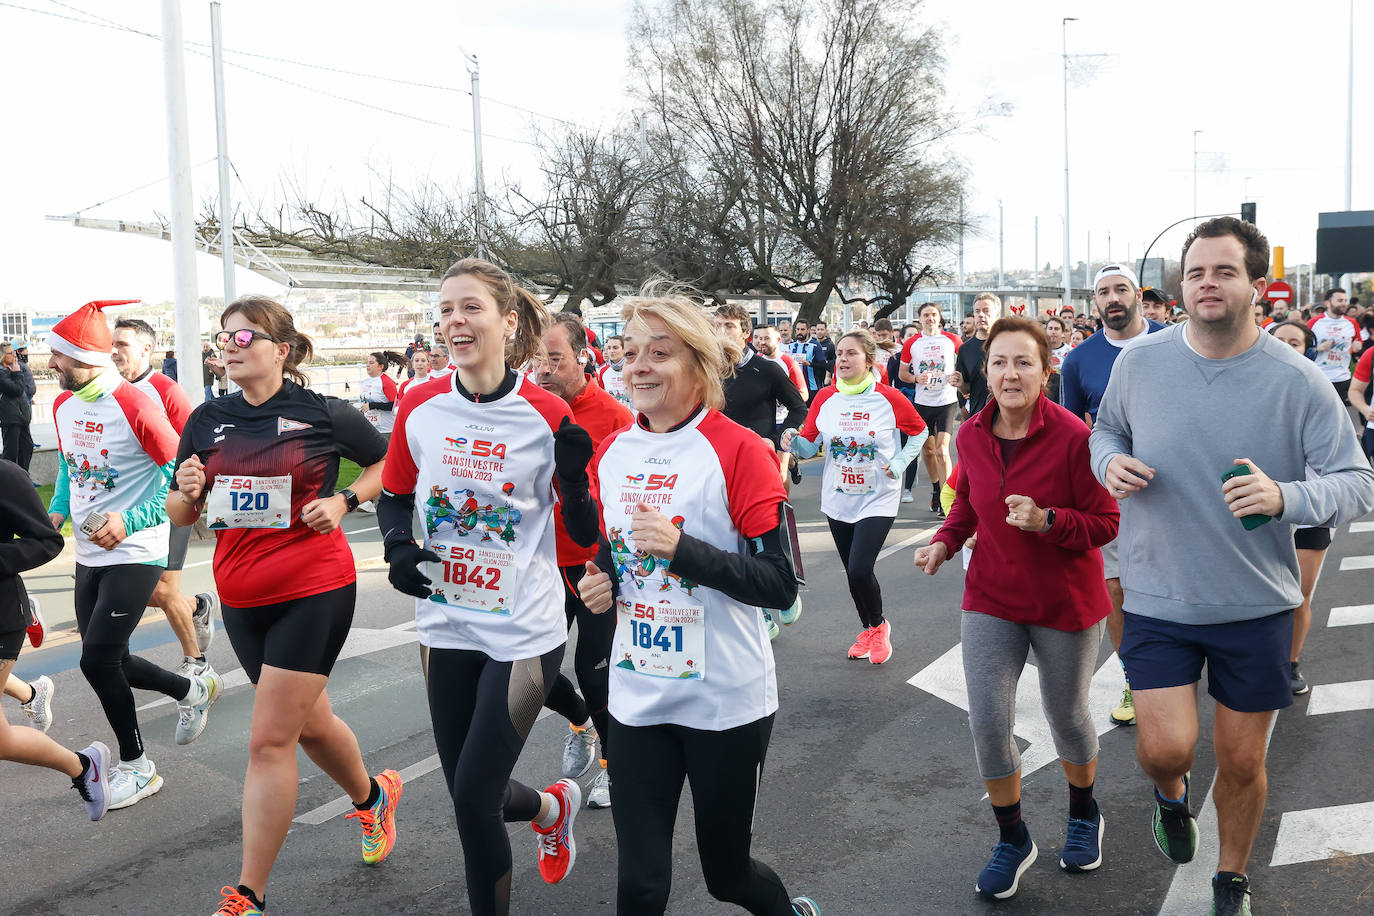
column 1357, row 563
column 1347, row 697
column 344, row 804
column 909, row 541
column 1190, row 891
column 1324, row 833
column 1361, row 527
column 1351, row 615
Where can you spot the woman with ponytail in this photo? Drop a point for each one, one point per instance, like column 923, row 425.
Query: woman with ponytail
column 378, row 391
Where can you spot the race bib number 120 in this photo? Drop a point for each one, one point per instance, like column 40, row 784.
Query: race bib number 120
column 250, row 502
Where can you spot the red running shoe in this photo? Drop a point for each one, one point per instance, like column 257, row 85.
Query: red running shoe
column 880, row 646
column 861, row 644
column 37, row 628
column 557, row 849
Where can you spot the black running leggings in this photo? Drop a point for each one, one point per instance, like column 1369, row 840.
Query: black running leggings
column 591, row 662
column 859, row 543
column 482, row 712
column 109, row 604
column 724, row 769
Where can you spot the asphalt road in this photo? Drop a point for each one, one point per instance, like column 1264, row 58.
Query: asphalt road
column 870, row 801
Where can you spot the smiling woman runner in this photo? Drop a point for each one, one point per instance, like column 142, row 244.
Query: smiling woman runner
column 691, row 509
column 479, row 447
column 263, row 463
column 858, row 419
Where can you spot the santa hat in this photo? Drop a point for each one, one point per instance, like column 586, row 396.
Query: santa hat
column 84, row 335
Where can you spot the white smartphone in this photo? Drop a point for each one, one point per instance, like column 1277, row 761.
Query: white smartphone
column 93, row 523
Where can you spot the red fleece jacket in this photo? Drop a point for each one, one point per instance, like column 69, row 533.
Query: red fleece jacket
column 1052, row 579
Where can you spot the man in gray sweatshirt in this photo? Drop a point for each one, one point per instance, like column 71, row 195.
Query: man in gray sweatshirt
column 1200, row 586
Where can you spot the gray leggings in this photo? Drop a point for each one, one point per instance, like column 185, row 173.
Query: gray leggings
column 995, row 652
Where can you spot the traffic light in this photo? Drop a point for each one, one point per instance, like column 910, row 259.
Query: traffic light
column 1247, row 211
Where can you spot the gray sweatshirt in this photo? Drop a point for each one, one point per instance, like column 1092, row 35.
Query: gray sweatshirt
column 1184, row 557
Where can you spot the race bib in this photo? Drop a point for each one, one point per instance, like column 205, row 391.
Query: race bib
column 250, row 502
column 667, row 639
column 935, row 382
column 476, row 576
column 373, row 416
column 856, row 480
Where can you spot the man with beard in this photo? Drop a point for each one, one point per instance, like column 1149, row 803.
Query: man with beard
column 1338, row 339
column 1083, row 381
column 810, row 356
column 969, row 376
column 821, row 335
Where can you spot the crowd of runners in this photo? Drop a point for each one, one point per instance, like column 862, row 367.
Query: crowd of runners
column 527, row 477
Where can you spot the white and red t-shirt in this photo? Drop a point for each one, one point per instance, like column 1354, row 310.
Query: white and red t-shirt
column 1057, row 357
column 482, row 474
column 1342, row 332
column 613, row 381
column 113, row 448
column 684, row 653
column 932, row 356
column 375, row 390
column 418, row 380
column 168, row 395
column 859, row 435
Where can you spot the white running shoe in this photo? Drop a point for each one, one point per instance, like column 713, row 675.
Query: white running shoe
column 128, row 785
column 203, row 619
column 190, row 666
column 579, row 752
column 39, row 709
column 369, row 507
column 191, row 718
column 907, row 497
column 599, row 795
column 770, row 624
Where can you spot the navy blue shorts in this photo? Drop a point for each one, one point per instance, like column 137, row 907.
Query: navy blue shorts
column 1247, row 661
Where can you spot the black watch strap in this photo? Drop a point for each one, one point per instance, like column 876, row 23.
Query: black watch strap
column 1049, row 519
column 350, row 498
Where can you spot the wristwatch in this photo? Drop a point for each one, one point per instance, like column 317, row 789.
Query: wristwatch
column 1049, row 520
column 350, row 498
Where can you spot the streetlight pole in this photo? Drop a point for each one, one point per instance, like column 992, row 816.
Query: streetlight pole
column 1064, row 30
column 183, row 214
column 1037, row 251
column 1195, row 133
column 226, row 209
column 1350, row 108
column 1001, row 278
column 474, row 70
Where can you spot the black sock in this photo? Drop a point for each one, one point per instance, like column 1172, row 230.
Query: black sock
column 200, row 659
column 1010, row 824
column 1082, row 805
column 372, row 796
column 85, row 765
column 246, row 891
column 935, row 488
column 1226, row 877
column 33, row 692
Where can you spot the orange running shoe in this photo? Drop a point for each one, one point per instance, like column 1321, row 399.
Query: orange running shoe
column 557, row 848
column 861, row 642
column 235, row 904
column 379, row 821
column 880, row 646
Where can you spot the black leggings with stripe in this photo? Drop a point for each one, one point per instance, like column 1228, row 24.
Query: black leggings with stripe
column 724, row 768
column 591, row 662
column 482, row 711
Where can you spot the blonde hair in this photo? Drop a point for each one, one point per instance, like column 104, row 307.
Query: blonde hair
column 867, row 343
column 713, row 357
column 510, row 297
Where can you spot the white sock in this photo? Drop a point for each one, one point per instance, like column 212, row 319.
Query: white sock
column 142, row 764
column 198, row 692
column 585, row 725
column 548, row 820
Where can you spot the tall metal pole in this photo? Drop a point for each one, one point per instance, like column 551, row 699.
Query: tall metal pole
column 1088, row 265
column 187, row 314
column 474, row 70
column 1195, row 133
column 1068, row 288
column 1350, row 108
column 226, row 209
column 1001, row 277
column 1037, row 251
column 961, row 244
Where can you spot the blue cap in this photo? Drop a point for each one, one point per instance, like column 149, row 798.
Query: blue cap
column 19, row 343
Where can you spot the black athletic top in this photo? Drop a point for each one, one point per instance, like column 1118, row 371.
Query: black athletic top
column 753, row 393
column 296, row 433
column 27, row 541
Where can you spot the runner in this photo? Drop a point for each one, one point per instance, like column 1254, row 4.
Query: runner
column 1084, row 375
column 378, row 391
column 1359, row 395
column 27, row 541
column 419, row 367
column 611, row 376
column 1224, row 592
column 1338, row 339
column 480, row 447
column 1310, row 543
column 191, row 619
column 1027, row 488
column 858, row 421
column 262, row 463
column 1155, row 305
column 35, row 698
column 809, row 356
column 968, row 376
column 1057, row 330
column 596, row 411
column 691, row 507
column 115, row 449
column 927, row 362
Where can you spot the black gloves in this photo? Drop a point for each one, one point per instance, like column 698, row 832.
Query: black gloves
column 572, row 451
column 405, row 575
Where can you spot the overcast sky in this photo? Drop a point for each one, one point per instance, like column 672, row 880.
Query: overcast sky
column 84, row 117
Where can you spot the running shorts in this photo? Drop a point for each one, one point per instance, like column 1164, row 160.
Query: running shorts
column 177, row 545
column 1247, row 660
column 939, row 419
column 1312, row 538
column 1111, row 560
column 303, row 634
column 10, row 644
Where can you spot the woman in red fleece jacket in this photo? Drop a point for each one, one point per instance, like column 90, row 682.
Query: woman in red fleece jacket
column 1035, row 581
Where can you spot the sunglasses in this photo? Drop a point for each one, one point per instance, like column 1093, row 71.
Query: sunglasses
column 242, row 338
